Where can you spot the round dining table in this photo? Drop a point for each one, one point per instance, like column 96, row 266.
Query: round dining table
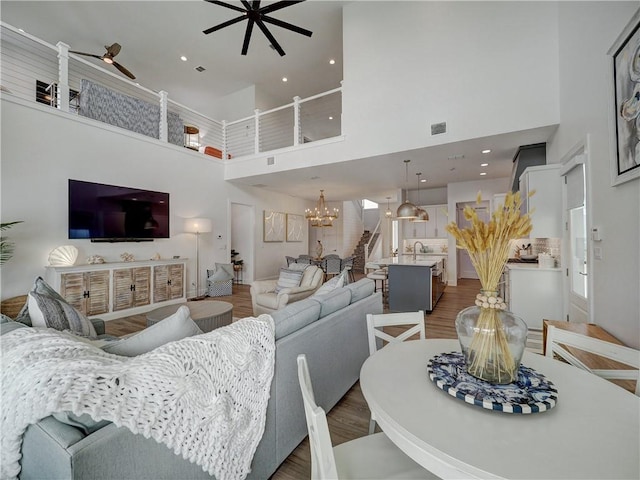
column 593, row 431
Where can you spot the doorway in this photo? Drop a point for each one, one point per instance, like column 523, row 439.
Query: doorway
column 465, row 267
column 241, row 240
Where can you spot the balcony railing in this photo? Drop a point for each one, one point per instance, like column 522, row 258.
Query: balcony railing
column 37, row 71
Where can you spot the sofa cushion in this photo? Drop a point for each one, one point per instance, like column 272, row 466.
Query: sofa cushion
column 334, row 301
column 43, row 288
column 9, row 326
column 295, row 316
column 288, row 279
column 361, row 289
column 51, row 312
column 329, row 286
column 309, row 274
column 175, row 327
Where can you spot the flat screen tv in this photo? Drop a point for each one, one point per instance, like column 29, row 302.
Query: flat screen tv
column 110, row 213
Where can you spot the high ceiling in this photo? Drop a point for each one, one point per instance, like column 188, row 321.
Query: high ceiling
column 155, row 34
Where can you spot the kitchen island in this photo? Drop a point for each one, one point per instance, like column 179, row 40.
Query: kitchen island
column 414, row 284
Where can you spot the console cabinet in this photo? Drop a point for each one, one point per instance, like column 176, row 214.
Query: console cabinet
column 112, row 290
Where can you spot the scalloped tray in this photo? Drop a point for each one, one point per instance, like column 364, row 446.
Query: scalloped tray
column 530, row 393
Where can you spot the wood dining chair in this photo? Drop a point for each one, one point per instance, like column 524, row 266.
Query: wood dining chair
column 561, row 342
column 370, row 457
column 377, row 336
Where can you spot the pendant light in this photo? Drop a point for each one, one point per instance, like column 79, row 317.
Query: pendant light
column 388, row 213
column 423, row 216
column 407, row 210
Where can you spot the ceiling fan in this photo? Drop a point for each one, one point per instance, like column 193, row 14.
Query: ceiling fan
column 112, row 51
column 258, row 15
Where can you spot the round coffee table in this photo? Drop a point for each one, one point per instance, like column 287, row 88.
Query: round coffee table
column 207, row 314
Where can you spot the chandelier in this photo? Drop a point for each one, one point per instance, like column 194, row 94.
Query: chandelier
column 321, row 216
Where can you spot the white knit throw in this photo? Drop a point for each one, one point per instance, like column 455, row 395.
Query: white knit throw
column 205, row 397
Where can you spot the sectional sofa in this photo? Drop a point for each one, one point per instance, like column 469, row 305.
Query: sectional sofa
column 330, row 329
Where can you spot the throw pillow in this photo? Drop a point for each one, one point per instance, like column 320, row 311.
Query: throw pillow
column 43, row 288
column 221, row 273
column 299, row 266
column 84, row 422
column 288, row 279
column 53, row 313
column 227, row 267
column 175, row 327
column 329, row 286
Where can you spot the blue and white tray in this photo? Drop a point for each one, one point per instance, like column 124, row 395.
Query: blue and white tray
column 530, row 393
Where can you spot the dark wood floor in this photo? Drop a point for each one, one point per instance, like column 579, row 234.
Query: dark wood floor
column 349, row 419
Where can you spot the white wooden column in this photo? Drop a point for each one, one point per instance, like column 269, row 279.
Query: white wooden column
column 164, row 126
column 256, row 146
column 224, row 140
column 296, row 121
column 63, row 77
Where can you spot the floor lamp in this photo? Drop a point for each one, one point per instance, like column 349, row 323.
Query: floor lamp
column 197, row 226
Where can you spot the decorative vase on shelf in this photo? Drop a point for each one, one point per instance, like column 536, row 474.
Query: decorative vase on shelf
column 492, row 339
column 319, row 249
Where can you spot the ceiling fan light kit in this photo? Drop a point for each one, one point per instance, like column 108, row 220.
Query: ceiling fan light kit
column 257, row 15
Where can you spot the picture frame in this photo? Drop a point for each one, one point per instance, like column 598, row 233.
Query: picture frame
column 295, row 227
column 625, row 99
column 273, row 226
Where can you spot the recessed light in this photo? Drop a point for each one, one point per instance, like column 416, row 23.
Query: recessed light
column 183, row 58
column 424, row 180
column 486, row 151
column 483, row 174
column 484, row 164
column 284, row 79
column 332, row 61
column 330, row 118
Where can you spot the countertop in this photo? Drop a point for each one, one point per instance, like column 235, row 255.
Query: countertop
column 407, row 261
column 531, row 266
column 430, row 254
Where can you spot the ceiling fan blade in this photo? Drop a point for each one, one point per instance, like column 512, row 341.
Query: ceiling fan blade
column 288, row 26
column 278, row 5
column 225, row 24
column 246, row 4
column 270, row 37
column 255, row 4
column 86, row 54
column 124, row 70
column 113, row 50
column 228, row 5
column 247, row 36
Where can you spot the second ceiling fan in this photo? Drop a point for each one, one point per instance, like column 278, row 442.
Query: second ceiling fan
column 254, row 14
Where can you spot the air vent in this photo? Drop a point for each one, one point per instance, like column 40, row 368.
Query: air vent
column 271, row 160
column 200, row 69
column 438, row 128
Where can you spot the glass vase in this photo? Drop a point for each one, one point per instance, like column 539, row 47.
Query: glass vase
column 492, row 339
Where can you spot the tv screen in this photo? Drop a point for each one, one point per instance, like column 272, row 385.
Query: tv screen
column 113, row 213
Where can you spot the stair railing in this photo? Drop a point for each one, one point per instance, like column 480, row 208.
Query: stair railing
column 373, row 240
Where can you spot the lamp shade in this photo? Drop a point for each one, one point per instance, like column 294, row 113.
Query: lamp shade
column 197, row 225
column 423, row 216
column 407, row 211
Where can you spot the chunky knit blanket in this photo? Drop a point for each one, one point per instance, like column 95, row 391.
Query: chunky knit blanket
column 205, row 397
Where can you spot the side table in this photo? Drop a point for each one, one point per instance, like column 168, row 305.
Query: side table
column 208, row 315
column 237, row 274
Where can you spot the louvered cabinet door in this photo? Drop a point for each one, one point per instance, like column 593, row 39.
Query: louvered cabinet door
column 142, row 290
column 122, row 288
column 176, row 287
column 97, row 284
column 72, row 289
column 160, row 283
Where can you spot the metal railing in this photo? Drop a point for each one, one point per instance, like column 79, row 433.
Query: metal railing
column 28, row 61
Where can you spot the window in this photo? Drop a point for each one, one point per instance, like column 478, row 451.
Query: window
column 368, row 204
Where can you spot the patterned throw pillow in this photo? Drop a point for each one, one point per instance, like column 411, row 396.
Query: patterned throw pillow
column 43, row 288
column 288, row 279
column 57, row 314
column 301, row 267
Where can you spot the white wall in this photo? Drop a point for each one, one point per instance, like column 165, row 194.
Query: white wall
column 485, row 68
column 234, row 106
column 42, row 148
column 468, row 192
column 587, row 31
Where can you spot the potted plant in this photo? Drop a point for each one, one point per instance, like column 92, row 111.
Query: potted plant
column 6, row 246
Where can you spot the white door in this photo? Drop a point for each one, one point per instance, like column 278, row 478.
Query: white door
column 465, row 267
column 575, row 239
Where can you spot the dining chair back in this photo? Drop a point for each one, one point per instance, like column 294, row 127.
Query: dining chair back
column 290, row 260
column 304, row 259
column 331, row 265
column 348, row 264
column 370, row 457
column 375, row 324
column 559, row 339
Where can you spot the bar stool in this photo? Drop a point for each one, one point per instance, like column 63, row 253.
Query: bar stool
column 381, row 275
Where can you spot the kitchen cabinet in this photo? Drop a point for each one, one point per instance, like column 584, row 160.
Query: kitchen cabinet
column 168, row 282
column 86, row 291
column 546, row 203
column 434, row 228
column 113, row 290
column 131, row 287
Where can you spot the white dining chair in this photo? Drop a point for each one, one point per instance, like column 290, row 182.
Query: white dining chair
column 370, row 457
column 558, row 339
column 375, row 325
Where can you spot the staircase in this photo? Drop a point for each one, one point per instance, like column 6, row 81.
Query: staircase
column 358, row 252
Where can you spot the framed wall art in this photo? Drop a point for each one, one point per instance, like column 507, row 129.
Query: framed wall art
column 273, row 226
column 295, row 227
column 625, row 54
